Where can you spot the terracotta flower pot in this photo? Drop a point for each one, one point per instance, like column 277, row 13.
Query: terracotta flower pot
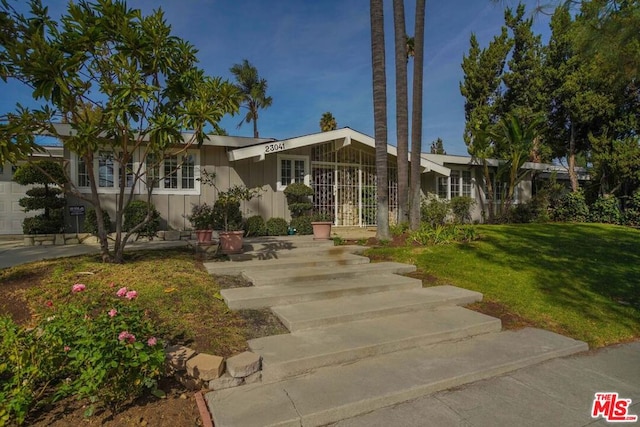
column 231, row 242
column 321, row 230
column 204, row 236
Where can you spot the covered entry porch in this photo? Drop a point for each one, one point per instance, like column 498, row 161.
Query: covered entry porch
column 339, row 166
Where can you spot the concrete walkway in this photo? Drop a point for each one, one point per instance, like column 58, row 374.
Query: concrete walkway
column 559, row 393
column 371, row 347
column 13, row 252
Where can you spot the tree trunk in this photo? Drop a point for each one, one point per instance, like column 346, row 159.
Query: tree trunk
column 573, row 177
column 255, row 126
column 402, row 114
column 416, row 116
column 489, row 194
column 380, row 116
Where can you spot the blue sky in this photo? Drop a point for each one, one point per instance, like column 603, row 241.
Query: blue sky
column 316, row 57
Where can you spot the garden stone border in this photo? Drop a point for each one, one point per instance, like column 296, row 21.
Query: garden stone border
column 201, row 370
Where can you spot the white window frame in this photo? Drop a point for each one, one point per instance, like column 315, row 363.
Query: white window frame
column 291, row 158
column 160, row 189
column 460, row 178
column 140, row 187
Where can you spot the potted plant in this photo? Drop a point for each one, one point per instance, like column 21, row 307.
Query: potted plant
column 202, row 220
column 321, row 223
column 228, row 217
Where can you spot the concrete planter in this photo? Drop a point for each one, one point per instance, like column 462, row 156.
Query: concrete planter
column 321, row 230
column 231, row 242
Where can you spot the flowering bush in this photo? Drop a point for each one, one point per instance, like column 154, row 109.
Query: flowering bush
column 100, row 345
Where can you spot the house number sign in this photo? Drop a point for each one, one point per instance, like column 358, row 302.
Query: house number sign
column 272, row 148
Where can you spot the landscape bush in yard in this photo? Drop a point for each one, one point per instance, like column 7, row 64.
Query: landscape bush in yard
column 136, row 212
column 98, row 344
column 255, row 226
column 277, row 227
column 90, row 224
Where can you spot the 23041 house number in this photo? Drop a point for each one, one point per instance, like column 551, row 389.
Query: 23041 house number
column 272, row 148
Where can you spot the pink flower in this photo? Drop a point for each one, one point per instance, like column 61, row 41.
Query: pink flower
column 121, row 292
column 113, row 312
column 78, row 287
column 152, row 341
column 49, row 303
column 67, row 348
column 131, row 295
column 126, row 336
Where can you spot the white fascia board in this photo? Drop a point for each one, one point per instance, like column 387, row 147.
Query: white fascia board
column 275, row 146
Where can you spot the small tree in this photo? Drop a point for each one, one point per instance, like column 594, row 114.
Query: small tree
column 121, row 82
column 298, row 199
column 226, row 210
column 49, row 174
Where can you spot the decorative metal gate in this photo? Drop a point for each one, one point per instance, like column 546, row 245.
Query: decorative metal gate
column 344, row 183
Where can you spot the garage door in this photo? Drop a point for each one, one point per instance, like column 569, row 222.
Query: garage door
column 11, row 214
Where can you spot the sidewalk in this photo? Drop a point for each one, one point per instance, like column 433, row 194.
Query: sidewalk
column 559, row 392
column 12, row 252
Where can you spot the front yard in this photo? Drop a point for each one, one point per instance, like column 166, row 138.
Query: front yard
column 580, row 280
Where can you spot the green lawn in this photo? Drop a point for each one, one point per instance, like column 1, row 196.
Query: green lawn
column 582, row 280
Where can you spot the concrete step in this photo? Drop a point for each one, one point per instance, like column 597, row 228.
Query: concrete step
column 298, row 275
column 288, row 355
column 301, row 261
column 283, row 242
column 339, row 310
column 269, row 296
column 286, row 250
column 335, row 393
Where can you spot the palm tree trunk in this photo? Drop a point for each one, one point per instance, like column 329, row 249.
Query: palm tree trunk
column 255, row 124
column 416, row 116
column 380, row 116
column 402, row 114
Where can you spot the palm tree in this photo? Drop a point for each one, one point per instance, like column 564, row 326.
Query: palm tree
column 402, row 109
column 380, row 116
column 328, row 122
column 253, row 90
column 416, row 117
column 515, row 135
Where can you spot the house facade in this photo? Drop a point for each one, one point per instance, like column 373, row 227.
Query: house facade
column 339, row 165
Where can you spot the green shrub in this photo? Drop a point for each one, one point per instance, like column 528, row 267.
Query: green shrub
column 90, row 224
column 255, row 226
column 49, row 198
column 100, row 346
column 136, row 212
column 298, row 198
column 277, row 227
column 399, row 229
column 302, row 225
column 571, row 207
column 632, row 210
column 434, row 211
column 443, row 234
column 461, row 208
column 605, row 209
column 40, row 225
column 521, row 213
column 233, row 212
